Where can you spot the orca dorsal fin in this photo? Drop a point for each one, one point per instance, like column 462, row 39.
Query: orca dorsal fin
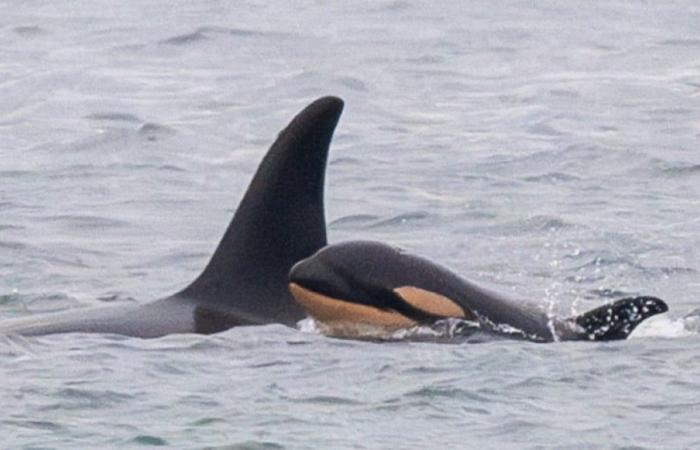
column 617, row 320
column 279, row 221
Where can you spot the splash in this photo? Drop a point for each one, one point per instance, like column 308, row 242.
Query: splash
column 668, row 327
column 442, row 331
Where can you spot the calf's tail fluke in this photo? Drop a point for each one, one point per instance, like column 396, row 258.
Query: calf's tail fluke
column 617, row 320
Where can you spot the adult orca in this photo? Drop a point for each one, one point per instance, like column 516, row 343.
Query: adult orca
column 355, row 289
column 279, row 222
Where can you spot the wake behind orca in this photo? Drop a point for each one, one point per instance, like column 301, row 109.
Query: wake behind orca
column 369, row 290
column 279, row 221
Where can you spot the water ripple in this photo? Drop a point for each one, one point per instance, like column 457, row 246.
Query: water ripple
column 554, row 152
column 187, row 38
column 148, row 440
column 404, row 219
column 114, row 117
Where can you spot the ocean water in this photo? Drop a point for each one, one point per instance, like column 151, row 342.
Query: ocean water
column 549, row 150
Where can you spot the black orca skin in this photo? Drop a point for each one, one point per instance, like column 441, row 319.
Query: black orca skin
column 371, row 283
column 279, row 221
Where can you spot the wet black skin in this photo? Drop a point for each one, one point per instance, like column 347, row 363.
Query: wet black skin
column 279, row 221
column 366, row 272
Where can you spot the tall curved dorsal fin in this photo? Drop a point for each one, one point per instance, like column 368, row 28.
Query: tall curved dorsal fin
column 279, row 221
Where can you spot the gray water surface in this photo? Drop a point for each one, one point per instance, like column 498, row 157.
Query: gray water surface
column 548, row 150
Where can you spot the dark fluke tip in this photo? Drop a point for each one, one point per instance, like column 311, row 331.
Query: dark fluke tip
column 654, row 304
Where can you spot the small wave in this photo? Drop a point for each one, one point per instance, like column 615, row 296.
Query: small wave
column 206, row 421
column 425, row 59
column 43, row 303
column 129, row 166
column 681, row 42
column 215, row 106
column 401, row 219
column 149, row 440
column 241, row 32
column 112, row 297
column 590, row 270
column 609, row 293
column 113, row 116
column 675, row 270
column 396, row 5
column 552, row 178
column 29, row 30
column 15, row 345
column 14, row 173
column 42, row 425
column 74, row 398
column 682, row 170
column 10, row 245
column 431, row 392
column 353, row 221
column 171, row 168
column 347, row 160
column 692, row 321
column 666, row 168
column 87, row 222
column 353, row 84
column 328, row 400
column 8, row 299
column 546, row 223
column 202, row 34
column 369, row 221
column 186, row 39
column 694, row 313
column 566, row 93
column 544, row 129
column 152, row 131
column 10, row 227
column 600, row 261
column 665, row 112
column 531, row 224
column 248, row 445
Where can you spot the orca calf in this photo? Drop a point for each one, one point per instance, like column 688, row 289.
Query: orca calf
column 279, row 222
column 356, row 289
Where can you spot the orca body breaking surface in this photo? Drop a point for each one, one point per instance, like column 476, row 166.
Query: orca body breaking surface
column 279, row 221
column 353, row 287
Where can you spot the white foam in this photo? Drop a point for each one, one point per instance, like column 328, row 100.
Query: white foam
column 308, row 325
column 664, row 326
column 346, row 330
